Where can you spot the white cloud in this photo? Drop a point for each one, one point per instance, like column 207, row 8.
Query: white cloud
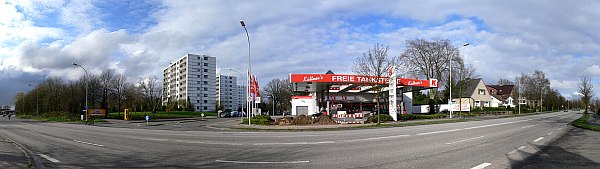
column 593, row 70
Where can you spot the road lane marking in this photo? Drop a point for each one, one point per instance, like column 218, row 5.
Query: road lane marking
column 261, row 162
column 377, row 138
column 550, row 133
column 465, row 140
column 529, row 126
column 296, row 143
column 83, row 142
column 49, row 158
column 538, row 139
column 437, row 132
column 515, row 150
column 482, row 165
column 191, row 142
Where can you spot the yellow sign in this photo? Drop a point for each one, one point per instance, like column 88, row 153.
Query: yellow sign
column 96, row 112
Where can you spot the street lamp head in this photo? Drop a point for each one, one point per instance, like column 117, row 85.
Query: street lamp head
column 242, row 22
column 466, row 44
column 75, row 64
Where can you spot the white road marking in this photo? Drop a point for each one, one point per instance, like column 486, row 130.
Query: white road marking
column 49, row 158
column 482, row 165
column 377, row 138
column 550, row 133
column 186, row 141
column 261, row 162
column 559, row 129
column 515, row 150
column 437, row 132
column 469, row 128
column 83, row 142
column 529, row 126
column 296, row 143
column 538, row 139
column 466, row 140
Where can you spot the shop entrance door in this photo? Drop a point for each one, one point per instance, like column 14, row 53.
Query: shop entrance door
column 300, row 110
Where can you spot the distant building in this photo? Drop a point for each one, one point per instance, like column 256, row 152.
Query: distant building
column 503, row 93
column 228, row 94
column 191, row 79
column 472, row 92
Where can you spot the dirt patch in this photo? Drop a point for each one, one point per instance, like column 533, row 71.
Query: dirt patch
column 302, row 120
column 324, row 120
column 284, row 121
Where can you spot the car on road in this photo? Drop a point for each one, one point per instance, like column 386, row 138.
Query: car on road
column 230, row 114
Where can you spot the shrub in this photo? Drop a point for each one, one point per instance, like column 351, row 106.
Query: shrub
column 382, row 118
column 302, row 120
column 421, row 116
column 260, row 120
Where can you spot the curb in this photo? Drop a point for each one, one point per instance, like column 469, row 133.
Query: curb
column 30, row 156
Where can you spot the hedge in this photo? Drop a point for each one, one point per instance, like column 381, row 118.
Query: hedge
column 259, row 120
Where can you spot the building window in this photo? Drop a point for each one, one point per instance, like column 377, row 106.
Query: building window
column 197, row 107
column 198, row 101
column 205, row 108
column 205, row 70
column 205, row 64
column 206, row 82
column 205, row 101
column 205, row 89
column 205, row 95
column 205, row 58
column 481, row 92
column 205, row 76
column 477, row 103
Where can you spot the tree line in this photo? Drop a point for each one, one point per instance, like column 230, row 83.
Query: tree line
column 107, row 90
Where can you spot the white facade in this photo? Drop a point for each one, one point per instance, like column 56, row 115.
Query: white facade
column 228, row 94
column 191, row 78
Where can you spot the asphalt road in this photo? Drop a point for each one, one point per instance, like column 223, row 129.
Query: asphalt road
column 495, row 143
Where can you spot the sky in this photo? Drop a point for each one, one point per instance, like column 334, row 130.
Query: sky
column 40, row 39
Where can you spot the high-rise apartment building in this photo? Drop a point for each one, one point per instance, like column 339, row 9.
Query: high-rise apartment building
column 227, row 93
column 191, row 79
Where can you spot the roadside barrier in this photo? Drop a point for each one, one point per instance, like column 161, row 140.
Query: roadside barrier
column 357, row 118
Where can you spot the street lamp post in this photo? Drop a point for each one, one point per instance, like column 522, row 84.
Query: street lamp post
column 251, row 107
column 86, row 90
column 450, row 82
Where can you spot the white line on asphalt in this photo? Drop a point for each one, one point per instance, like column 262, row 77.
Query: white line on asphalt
column 377, row 138
column 261, row 162
column 83, row 142
column 186, row 141
column 482, row 165
column 515, row 150
column 550, row 133
column 437, row 132
column 559, row 129
column 49, row 158
column 529, row 126
column 296, row 143
column 465, row 140
column 538, row 139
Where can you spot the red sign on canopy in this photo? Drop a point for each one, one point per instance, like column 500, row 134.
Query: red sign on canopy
column 335, row 78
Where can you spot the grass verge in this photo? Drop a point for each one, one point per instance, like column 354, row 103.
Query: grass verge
column 582, row 122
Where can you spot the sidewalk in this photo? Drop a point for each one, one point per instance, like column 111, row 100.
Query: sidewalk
column 11, row 156
column 578, row 148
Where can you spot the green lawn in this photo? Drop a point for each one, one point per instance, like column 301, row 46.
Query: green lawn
column 163, row 115
column 582, row 123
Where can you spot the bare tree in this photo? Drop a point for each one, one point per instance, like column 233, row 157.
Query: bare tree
column 152, row 92
column 505, row 82
column 586, row 89
column 278, row 91
column 119, row 85
column 375, row 62
column 430, row 59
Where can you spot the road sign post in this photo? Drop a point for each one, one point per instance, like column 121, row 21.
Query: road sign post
column 147, row 119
